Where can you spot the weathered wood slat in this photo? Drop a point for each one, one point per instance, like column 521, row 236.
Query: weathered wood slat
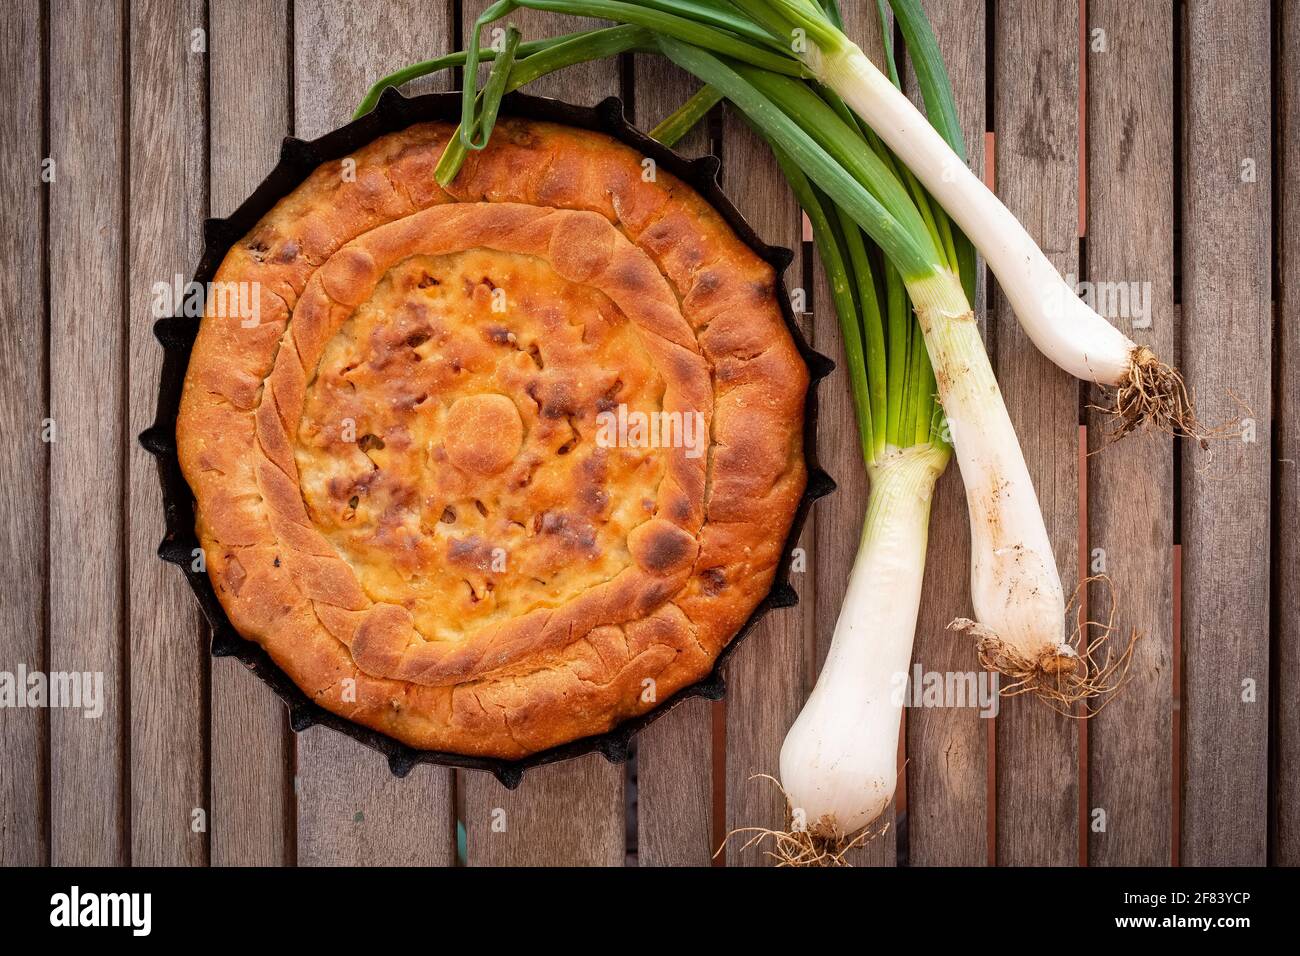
column 1036, row 118
column 766, row 675
column 675, row 755
column 350, row 809
column 947, row 747
column 1285, row 848
column 837, row 520
column 250, row 746
column 87, row 206
column 168, row 647
column 1227, row 345
column 572, row 813
column 1130, row 507
column 353, row 812
column 567, row 814
column 24, row 801
column 675, row 788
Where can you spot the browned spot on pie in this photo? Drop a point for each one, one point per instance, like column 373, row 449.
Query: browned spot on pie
column 661, row 547
column 572, row 532
column 471, row 551
column 235, row 574
column 715, row 580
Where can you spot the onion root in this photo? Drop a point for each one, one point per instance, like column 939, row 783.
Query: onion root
column 820, row 844
column 1072, row 671
column 1155, row 396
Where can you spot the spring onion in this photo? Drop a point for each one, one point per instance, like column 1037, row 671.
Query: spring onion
column 485, row 115
column 509, row 74
column 686, row 116
column 1061, row 324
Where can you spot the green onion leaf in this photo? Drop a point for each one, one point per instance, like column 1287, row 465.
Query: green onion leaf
column 453, row 157
column 664, row 24
column 416, row 70
column 683, row 119
column 901, row 245
column 841, row 282
column 940, row 110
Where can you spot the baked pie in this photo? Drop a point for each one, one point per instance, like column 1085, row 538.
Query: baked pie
column 493, row 468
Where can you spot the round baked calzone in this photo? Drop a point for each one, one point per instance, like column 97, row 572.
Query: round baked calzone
column 493, row 468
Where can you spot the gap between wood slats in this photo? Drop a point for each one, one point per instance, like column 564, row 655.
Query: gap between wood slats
column 1176, row 781
column 991, row 731
column 1083, row 130
column 1083, row 551
column 1082, row 597
column 124, row 400
column 48, row 311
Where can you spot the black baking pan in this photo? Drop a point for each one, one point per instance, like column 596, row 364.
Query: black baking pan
column 298, row 158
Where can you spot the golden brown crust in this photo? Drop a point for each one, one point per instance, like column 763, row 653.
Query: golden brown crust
column 365, row 451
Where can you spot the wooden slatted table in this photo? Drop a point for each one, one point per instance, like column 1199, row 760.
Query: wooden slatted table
column 1140, row 143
